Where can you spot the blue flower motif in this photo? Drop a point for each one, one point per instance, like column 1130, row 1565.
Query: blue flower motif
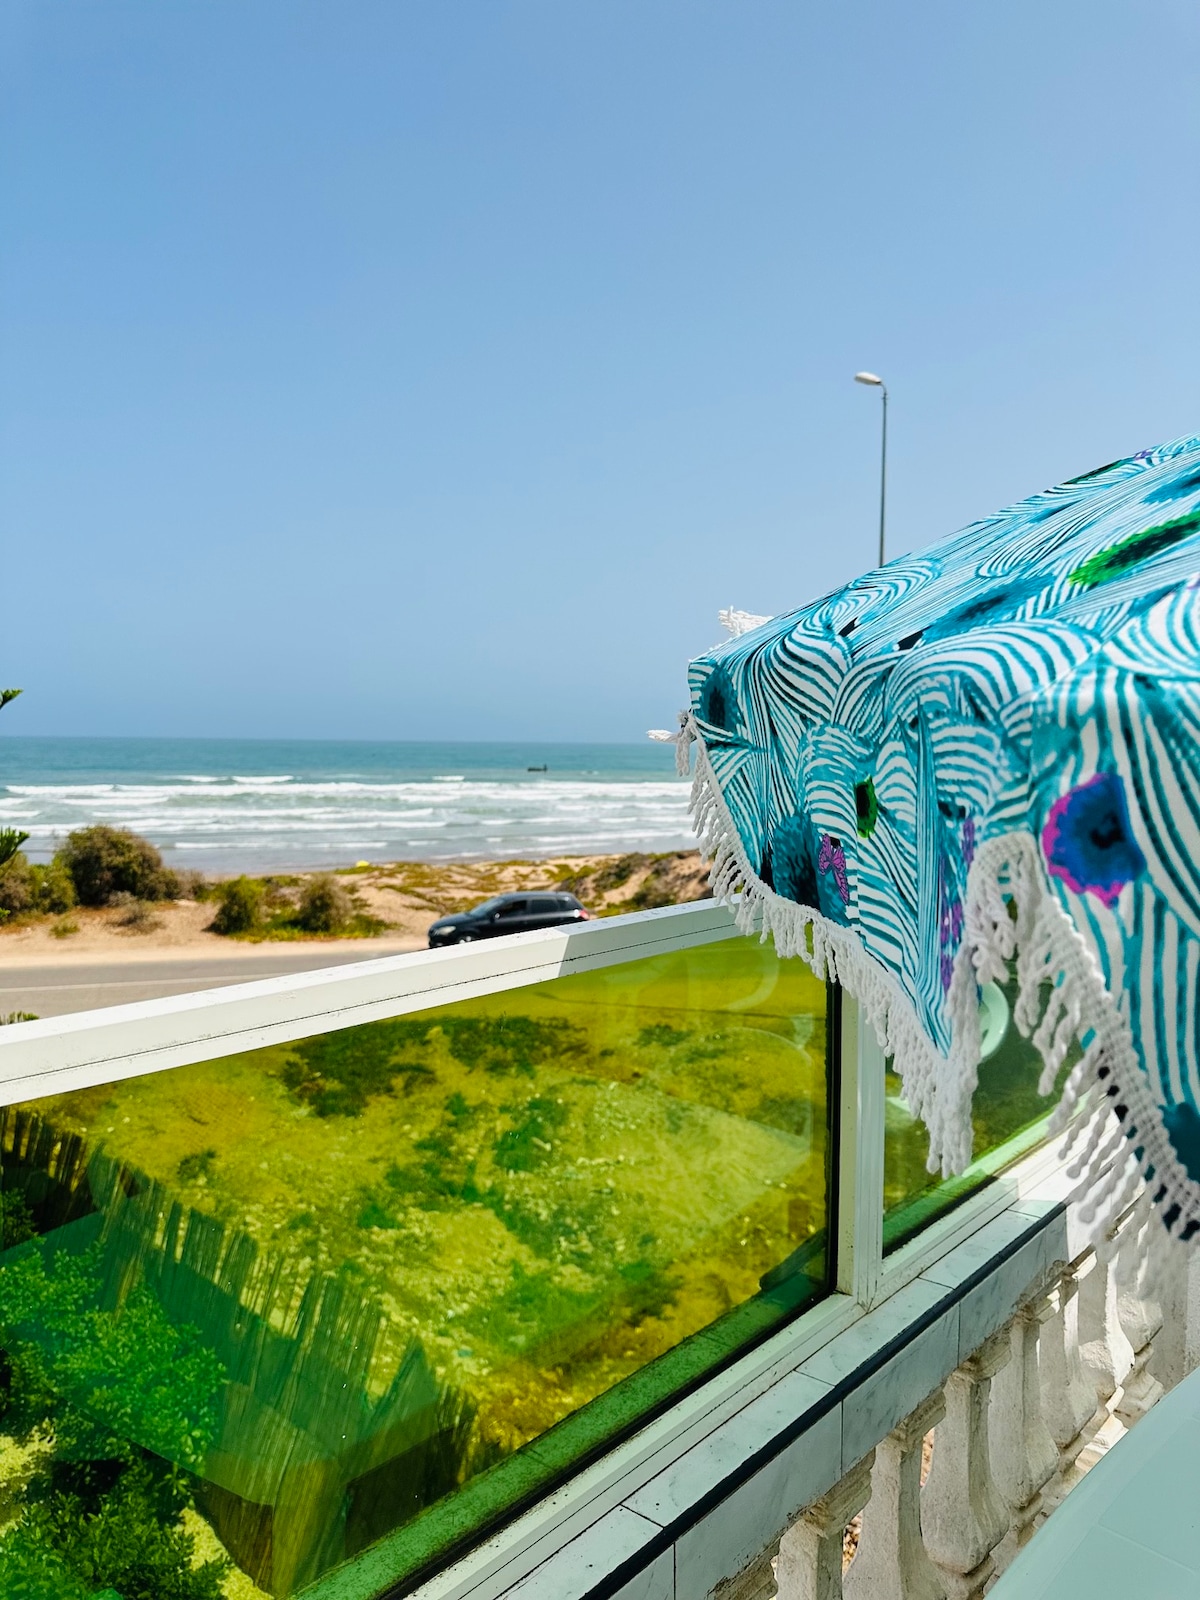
column 1183, row 1129
column 1088, row 841
column 788, row 865
column 718, row 701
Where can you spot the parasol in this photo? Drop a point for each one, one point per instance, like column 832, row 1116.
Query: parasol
column 984, row 753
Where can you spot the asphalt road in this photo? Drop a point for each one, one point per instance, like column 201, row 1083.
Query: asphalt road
column 50, row 989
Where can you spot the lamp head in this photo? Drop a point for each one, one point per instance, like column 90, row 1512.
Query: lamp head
column 868, row 377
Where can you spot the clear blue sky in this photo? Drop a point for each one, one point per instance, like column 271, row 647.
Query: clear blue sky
column 393, row 370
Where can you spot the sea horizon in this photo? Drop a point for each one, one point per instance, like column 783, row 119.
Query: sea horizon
column 263, row 805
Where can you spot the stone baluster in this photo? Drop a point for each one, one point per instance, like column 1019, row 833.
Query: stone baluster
column 1103, row 1348
column 1140, row 1320
column 1176, row 1350
column 1069, row 1400
column 963, row 1518
column 755, row 1582
column 891, row 1562
column 810, row 1552
column 1024, row 1456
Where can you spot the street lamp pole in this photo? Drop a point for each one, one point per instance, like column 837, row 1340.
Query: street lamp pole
column 877, row 383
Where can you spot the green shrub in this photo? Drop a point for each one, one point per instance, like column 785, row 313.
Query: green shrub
column 239, row 908
column 126, row 1541
column 55, row 887
column 325, row 907
column 24, row 887
column 18, row 886
column 16, row 1220
column 104, row 861
column 11, row 840
column 99, row 1515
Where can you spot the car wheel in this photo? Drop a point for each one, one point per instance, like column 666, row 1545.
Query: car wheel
column 465, row 938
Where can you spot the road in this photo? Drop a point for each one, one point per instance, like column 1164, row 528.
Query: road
column 50, row 989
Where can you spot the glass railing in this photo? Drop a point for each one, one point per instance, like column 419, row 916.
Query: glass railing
column 1009, row 1118
column 355, row 1298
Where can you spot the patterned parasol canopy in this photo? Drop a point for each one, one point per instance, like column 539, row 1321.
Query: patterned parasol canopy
column 983, row 754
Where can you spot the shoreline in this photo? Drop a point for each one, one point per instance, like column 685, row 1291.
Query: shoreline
column 256, row 807
column 404, row 896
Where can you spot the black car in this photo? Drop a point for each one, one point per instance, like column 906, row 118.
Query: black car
column 506, row 913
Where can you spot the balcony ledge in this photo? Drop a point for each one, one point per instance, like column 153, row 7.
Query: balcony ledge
column 697, row 1497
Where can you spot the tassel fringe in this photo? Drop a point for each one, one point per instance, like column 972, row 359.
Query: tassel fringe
column 1123, row 1157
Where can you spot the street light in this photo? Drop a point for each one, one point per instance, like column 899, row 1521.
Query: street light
column 874, row 382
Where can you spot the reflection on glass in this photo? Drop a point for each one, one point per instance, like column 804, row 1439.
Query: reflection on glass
column 1008, row 1113
column 260, row 1314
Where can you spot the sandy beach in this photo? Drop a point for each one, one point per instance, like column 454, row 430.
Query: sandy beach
column 404, row 896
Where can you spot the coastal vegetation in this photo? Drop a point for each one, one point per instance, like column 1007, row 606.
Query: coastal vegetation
column 290, row 907
column 638, row 881
column 103, row 862
column 11, row 839
column 95, row 866
column 239, row 906
column 105, row 878
column 26, row 888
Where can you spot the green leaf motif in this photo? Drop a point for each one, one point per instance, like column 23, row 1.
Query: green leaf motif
column 866, row 808
column 1128, row 553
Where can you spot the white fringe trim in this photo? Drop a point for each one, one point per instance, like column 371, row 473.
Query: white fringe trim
column 1009, row 912
column 736, row 622
column 682, row 740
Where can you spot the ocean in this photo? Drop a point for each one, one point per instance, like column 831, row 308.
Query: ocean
column 249, row 805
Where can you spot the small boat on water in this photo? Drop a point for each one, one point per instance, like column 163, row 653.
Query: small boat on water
column 537, row 769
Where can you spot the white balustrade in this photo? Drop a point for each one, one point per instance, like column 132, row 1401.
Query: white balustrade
column 1070, row 1403
column 756, row 1582
column 891, row 1562
column 1024, row 1456
column 963, row 1515
column 811, row 1551
column 1015, row 1427
column 1104, row 1350
column 1140, row 1320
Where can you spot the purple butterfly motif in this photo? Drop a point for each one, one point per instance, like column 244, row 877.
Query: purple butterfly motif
column 832, row 858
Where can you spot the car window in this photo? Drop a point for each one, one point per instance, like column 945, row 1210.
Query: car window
column 544, row 903
column 496, row 903
column 514, row 908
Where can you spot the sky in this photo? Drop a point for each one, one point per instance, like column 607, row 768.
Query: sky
column 373, row 369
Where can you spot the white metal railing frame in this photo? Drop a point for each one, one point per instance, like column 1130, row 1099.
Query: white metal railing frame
column 61, row 1054
column 58, row 1054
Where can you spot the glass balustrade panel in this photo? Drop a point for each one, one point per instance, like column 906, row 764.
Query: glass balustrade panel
column 1009, row 1118
column 356, row 1298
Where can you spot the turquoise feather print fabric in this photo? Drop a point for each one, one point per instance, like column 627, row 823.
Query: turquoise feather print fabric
column 1034, row 678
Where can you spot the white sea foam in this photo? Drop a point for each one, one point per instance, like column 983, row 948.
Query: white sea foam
column 259, row 820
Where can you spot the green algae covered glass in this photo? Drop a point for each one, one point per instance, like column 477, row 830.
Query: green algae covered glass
column 1009, row 1117
column 311, row 1318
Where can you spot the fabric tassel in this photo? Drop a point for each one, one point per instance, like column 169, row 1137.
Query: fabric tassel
column 1061, row 999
